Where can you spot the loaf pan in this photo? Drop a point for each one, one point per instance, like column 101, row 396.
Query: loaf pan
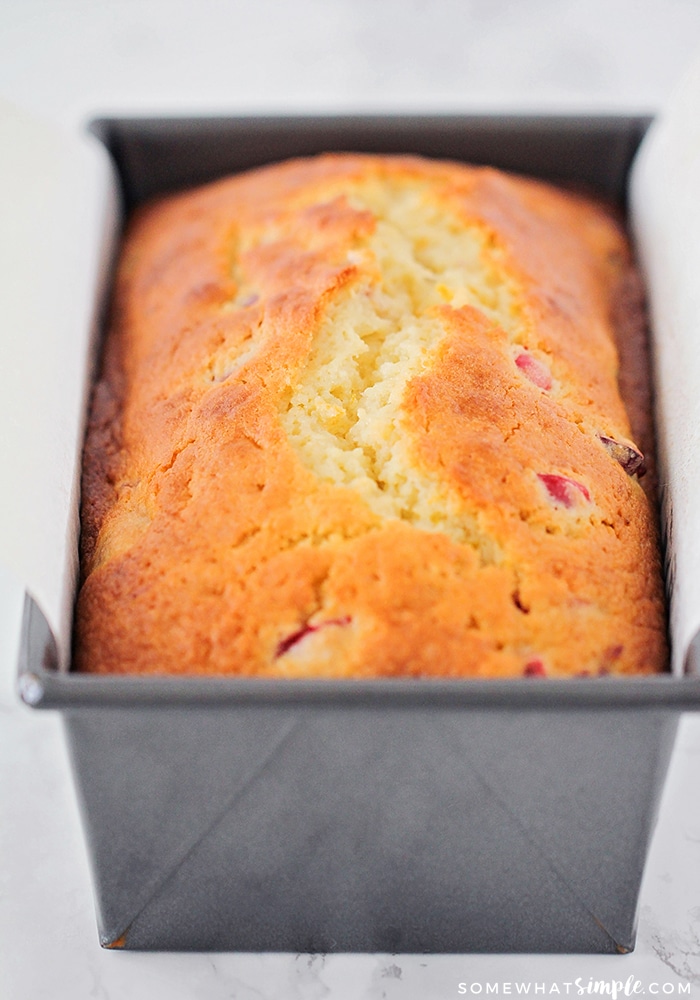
column 395, row 816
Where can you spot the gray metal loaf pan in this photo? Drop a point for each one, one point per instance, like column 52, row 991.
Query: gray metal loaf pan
column 400, row 816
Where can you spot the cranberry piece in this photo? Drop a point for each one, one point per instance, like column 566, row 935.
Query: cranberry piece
column 535, row 668
column 568, row 492
column 293, row 639
column 286, row 644
column 610, row 656
column 534, row 370
column 629, row 457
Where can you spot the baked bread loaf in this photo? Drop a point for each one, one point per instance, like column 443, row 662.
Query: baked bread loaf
column 363, row 416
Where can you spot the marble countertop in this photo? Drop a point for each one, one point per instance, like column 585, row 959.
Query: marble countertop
column 69, row 60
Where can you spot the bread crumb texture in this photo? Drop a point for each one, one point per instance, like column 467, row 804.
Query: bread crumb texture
column 361, row 416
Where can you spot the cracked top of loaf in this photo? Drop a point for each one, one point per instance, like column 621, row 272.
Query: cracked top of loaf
column 371, row 416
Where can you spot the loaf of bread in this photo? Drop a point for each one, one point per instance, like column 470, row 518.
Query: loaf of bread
column 372, row 416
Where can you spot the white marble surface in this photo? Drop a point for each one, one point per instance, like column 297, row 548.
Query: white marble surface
column 66, row 60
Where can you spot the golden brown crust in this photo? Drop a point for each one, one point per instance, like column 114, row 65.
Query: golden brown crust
column 359, row 416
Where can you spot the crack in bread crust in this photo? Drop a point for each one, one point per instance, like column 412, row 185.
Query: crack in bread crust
column 344, row 416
